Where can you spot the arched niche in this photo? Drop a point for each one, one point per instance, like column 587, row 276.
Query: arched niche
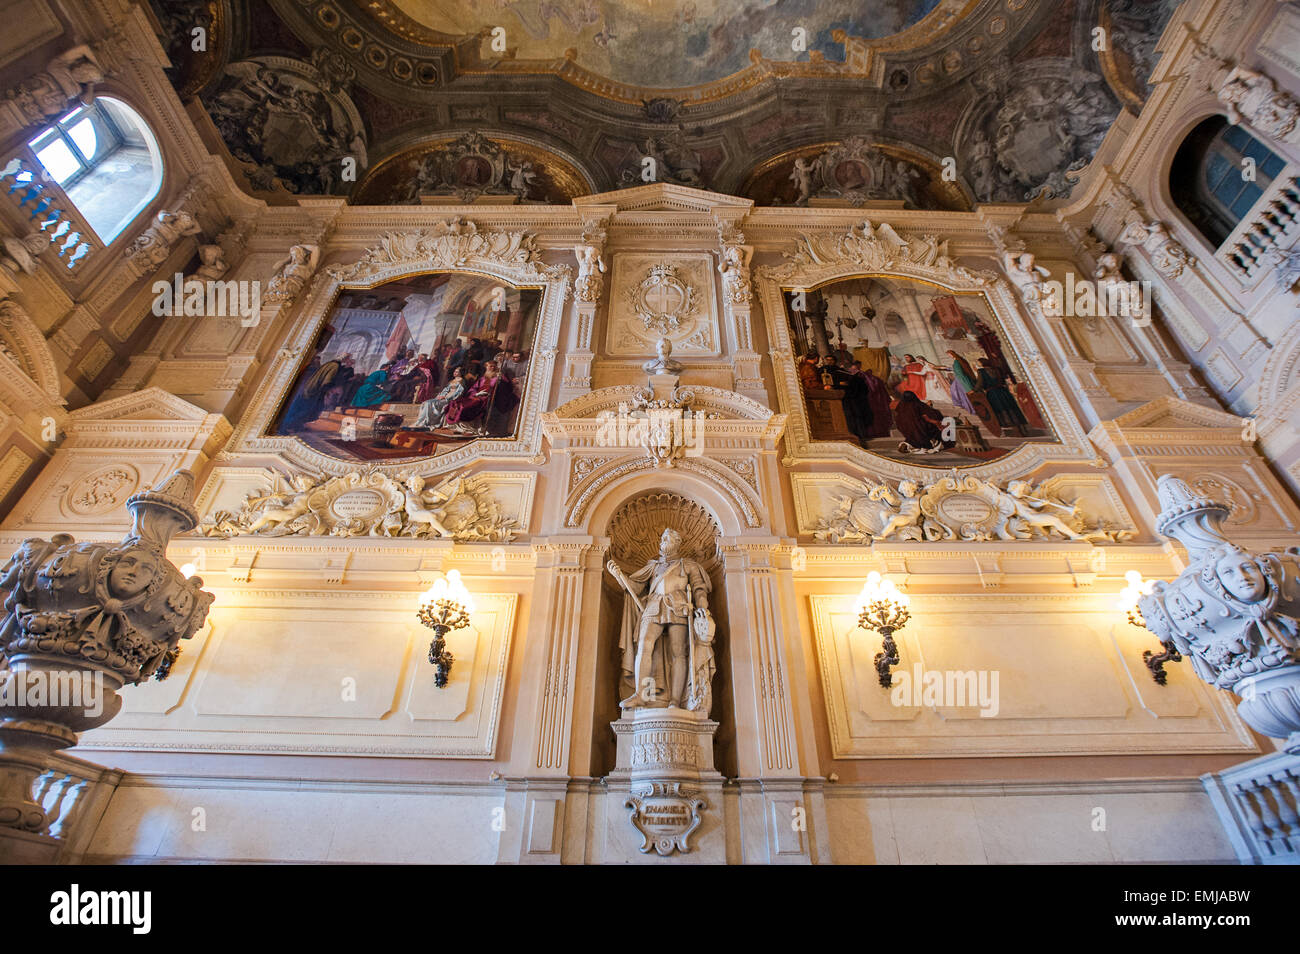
column 1219, row 171
column 633, row 520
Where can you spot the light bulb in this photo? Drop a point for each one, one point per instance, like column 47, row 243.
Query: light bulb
column 1134, row 578
column 457, row 591
column 188, row 570
column 873, row 578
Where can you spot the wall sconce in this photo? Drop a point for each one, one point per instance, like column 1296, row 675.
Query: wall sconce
column 883, row 609
column 445, row 606
column 1128, row 601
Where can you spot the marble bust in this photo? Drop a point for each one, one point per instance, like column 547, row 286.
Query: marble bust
column 664, row 363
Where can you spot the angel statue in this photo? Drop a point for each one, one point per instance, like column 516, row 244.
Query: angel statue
column 1028, row 277
column 734, row 268
column 291, row 273
column 668, row 597
column 429, row 507
column 590, row 265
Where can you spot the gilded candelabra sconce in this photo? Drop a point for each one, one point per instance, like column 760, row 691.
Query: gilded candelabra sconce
column 445, row 606
column 881, row 607
column 1128, row 601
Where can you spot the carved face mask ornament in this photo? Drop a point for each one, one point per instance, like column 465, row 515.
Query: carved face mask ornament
column 1247, row 585
column 1241, row 577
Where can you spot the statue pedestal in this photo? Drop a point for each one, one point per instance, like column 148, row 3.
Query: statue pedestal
column 663, row 385
column 666, row 786
column 664, row 744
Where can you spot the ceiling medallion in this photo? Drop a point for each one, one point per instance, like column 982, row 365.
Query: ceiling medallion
column 664, row 303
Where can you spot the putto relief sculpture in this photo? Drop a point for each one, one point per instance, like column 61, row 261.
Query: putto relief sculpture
column 368, row 503
column 1235, row 613
column 959, row 508
column 668, row 632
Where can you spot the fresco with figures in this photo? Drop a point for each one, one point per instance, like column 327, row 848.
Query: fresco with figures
column 910, row 371
column 413, row 368
column 668, row 44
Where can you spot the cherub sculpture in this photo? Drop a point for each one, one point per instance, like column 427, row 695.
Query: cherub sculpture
column 428, row 508
column 285, row 504
column 901, row 509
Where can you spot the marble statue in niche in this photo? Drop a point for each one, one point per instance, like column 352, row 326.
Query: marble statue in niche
column 667, row 641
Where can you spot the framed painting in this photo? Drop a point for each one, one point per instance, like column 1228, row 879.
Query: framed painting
column 891, row 356
column 414, row 367
column 910, row 371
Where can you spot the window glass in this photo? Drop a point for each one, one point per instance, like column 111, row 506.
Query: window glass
column 83, row 135
column 106, row 160
column 1210, row 179
column 59, row 161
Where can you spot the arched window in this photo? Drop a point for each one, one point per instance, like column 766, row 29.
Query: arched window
column 105, row 158
column 1218, row 174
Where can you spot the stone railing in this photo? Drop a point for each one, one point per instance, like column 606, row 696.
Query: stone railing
column 49, row 210
column 74, row 795
column 1258, row 803
column 1272, row 225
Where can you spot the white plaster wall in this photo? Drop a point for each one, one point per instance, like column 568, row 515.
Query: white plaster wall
column 152, row 821
column 1159, row 823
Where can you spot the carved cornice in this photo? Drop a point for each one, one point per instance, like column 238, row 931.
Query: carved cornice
column 458, row 243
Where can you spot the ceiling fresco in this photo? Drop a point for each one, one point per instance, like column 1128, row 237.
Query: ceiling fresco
column 668, row 45
column 418, row 101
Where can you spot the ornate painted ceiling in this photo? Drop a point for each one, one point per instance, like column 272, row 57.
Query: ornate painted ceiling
column 783, row 101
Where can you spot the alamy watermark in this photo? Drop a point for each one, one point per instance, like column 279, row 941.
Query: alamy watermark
column 665, row 428
column 947, row 688
column 57, row 690
column 196, row 298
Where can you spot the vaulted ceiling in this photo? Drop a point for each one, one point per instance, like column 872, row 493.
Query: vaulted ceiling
column 932, row 103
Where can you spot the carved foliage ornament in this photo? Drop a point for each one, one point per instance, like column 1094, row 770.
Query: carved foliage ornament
column 368, row 503
column 876, row 248
column 959, row 508
column 451, row 244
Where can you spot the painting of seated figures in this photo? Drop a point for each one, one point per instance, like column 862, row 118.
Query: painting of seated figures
column 910, row 371
column 413, row 368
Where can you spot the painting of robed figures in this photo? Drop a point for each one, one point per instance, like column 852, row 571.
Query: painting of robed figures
column 414, row 367
column 910, row 371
